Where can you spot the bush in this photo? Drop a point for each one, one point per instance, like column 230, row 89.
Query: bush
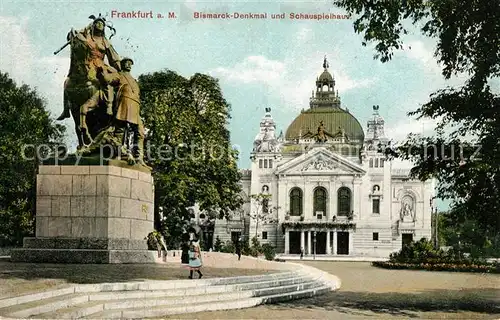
column 153, row 240
column 218, row 244
column 253, row 252
column 256, row 244
column 269, row 251
column 421, row 251
column 228, row 247
column 245, row 248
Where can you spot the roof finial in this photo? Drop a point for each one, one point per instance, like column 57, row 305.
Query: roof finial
column 325, row 63
column 268, row 109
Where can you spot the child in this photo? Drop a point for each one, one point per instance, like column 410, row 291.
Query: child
column 195, row 262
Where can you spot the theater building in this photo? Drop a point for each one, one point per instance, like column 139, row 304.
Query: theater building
column 331, row 191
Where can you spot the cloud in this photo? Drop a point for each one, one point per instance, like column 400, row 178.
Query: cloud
column 253, row 69
column 400, row 130
column 304, row 34
column 25, row 65
column 292, row 79
column 422, row 52
column 16, row 51
column 417, row 50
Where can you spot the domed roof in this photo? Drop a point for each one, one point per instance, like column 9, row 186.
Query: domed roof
column 325, row 76
column 334, row 120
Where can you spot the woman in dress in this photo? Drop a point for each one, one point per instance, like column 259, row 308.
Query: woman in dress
column 195, row 262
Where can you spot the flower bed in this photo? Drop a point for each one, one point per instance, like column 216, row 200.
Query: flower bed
column 453, row 267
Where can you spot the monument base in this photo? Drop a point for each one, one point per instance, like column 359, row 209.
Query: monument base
column 79, row 256
column 83, row 250
column 91, row 214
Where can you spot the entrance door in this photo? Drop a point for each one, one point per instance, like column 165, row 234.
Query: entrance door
column 407, row 238
column 342, row 242
column 294, row 242
column 235, row 236
column 320, row 242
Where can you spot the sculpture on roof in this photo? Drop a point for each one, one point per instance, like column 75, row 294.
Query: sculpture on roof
column 321, row 136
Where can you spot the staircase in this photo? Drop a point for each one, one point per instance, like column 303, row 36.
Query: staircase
column 137, row 300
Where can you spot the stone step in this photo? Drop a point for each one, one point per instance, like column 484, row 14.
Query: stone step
column 286, row 289
column 97, row 306
column 55, row 304
column 32, row 308
column 273, row 283
column 247, row 279
column 141, row 313
column 143, row 286
column 296, row 295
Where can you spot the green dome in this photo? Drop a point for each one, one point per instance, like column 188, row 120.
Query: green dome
column 333, row 119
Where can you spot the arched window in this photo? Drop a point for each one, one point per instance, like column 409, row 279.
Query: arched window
column 344, row 201
column 295, row 202
column 319, row 200
column 376, row 188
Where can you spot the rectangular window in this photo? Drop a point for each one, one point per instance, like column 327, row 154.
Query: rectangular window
column 260, row 163
column 376, row 206
column 371, row 163
column 264, row 235
column 270, row 163
column 265, row 163
column 381, row 163
column 375, row 236
column 376, row 162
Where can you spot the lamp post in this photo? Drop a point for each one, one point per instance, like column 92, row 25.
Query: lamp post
column 435, row 220
column 437, row 227
column 314, row 252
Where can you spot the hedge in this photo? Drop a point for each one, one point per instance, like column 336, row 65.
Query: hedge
column 452, row 267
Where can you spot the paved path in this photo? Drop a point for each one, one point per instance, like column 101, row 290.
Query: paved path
column 369, row 292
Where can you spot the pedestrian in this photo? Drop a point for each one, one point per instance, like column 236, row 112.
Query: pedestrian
column 185, row 253
column 195, row 261
column 301, row 253
column 238, row 249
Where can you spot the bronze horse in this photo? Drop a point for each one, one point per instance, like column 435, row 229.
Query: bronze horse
column 86, row 96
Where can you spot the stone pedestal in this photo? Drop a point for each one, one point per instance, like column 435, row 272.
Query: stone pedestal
column 91, row 214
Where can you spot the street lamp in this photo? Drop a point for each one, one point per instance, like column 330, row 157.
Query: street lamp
column 437, row 226
column 435, row 219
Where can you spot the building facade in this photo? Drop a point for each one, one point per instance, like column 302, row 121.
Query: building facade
column 326, row 188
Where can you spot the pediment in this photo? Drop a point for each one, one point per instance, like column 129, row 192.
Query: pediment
column 320, row 161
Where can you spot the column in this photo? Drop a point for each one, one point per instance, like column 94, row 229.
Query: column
column 334, row 242
column 328, row 251
column 357, row 207
column 287, row 242
column 351, row 243
column 309, row 242
column 302, row 240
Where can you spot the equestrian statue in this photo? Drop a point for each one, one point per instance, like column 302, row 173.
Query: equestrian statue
column 95, row 93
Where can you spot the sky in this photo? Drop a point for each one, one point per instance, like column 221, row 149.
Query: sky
column 259, row 63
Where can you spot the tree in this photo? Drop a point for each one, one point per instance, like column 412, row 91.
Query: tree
column 26, row 130
column 262, row 213
column 218, row 244
column 187, row 144
column 467, row 43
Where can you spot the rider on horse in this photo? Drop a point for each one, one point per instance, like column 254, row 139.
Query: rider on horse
column 89, row 48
